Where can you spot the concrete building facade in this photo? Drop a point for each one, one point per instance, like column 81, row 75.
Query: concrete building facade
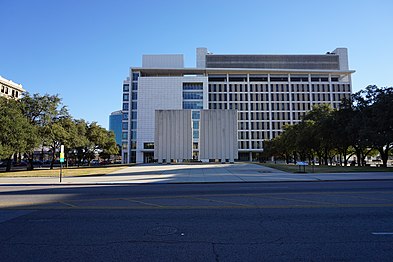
column 10, row 89
column 173, row 136
column 218, row 135
column 267, row 91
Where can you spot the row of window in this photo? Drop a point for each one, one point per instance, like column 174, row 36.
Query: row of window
column 126, row 87
column 273, row 78
column 192, row 105
column 192, row 86
column 280, row 88
column 9, row 91
column 254, row 144
column 193, row 95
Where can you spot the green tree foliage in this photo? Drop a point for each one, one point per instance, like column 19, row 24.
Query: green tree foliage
column 17, row 135
column 38, row 121
column 363, row 125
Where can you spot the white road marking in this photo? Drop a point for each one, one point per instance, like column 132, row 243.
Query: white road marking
column 382, row 233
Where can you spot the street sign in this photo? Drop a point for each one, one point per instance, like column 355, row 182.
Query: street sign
column 61, row 161
column 61, row 157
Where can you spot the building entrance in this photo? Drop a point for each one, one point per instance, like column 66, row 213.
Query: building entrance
column 148, row 157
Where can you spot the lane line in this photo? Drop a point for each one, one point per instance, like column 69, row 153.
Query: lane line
column 199, row 207
column 382, row 233
column 220, row 201
column 142, row 202
column 300, row 200
column 67, row 204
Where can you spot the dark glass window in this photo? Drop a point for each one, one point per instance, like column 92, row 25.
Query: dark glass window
column 124, row 125
column 134, row 96
column 133, row 124
column 193, row 95
column 133, row 135
column 124, row 145
column 125, row 106
column 134, row 115
column 278, row 78
column 133, row 156
column 126, row 97
column 192, row 105
column 148, row 145
column 124, row 135
column 133, row 105
column 217, row 78
column 125, row 116
column 195, row 124
column 195, row 134
column 134, row 86
column 196, row 114
column 126, row 87
column 192, row 86
column 135, row 76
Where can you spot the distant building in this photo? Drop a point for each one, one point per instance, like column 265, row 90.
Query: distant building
column 267, row 91
column 10, row 89
column 115, row 125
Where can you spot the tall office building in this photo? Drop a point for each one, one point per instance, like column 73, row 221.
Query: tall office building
column 115, row 125
column 268, row 91
column 10, row 89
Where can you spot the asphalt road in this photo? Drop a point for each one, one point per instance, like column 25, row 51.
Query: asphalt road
column 302, row 221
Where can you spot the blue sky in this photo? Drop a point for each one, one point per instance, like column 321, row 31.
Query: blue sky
column 82, row 49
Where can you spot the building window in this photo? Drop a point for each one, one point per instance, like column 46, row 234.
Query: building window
column 134, row 96
column 126, row 97
column 195, row 124
column 192, row 105
column 133, row 124
column 124, row 125
column 133, row 145
column 148, row 145
column 195, row 134
column 125, row 106
column 134, row 86
column 133, row 105
column 126, row 87
column 132, row 156
column 124, row 135
column 134, row 115
column 196, row 114
column 193, row 95
column 125, row 116
column 135, row 76
column 124, row 145
column 133, row 135
column 192, row 86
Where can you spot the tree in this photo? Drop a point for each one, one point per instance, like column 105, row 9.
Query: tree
column 15, row 130
column 377, row 106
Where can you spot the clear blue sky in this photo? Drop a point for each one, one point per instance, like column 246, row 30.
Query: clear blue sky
column 82, row 49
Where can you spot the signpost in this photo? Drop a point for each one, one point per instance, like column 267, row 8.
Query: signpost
column 61, row 160
column 302, row 164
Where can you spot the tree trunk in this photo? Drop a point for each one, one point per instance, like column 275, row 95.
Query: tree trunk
column 53, row 158
column 30, row 165
column 8, row 167
column 384, row 155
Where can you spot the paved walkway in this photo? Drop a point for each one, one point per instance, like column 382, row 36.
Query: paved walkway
column 198, row 173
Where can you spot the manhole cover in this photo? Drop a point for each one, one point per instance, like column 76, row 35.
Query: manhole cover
column 162, row 231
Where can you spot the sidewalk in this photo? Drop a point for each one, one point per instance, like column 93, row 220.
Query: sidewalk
column 203, row 173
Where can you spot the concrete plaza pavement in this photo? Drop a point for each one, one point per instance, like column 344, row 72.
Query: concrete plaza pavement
column 197, row 173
